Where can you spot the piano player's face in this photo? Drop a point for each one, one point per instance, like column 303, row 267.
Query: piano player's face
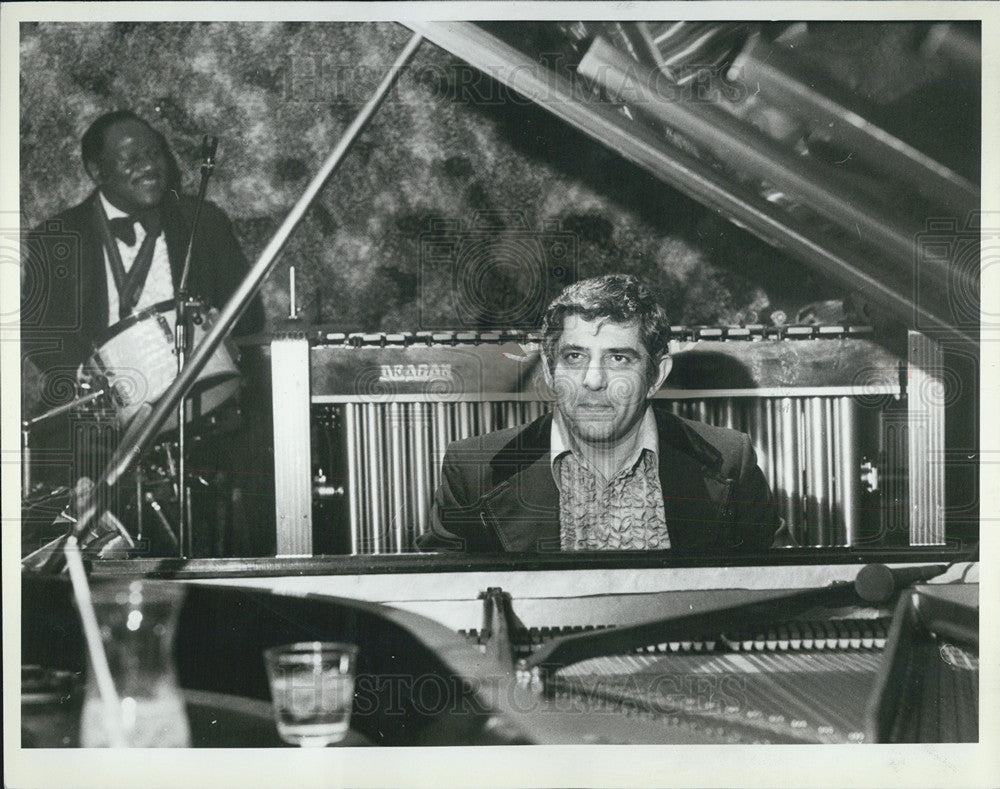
column 601, row 379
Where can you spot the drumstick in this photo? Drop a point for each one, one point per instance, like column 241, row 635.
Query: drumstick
column 64, row 408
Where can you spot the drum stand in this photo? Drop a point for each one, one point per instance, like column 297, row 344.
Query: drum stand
column 106, row 525
column 28, row 424
column 145, row 496
column 188, row 311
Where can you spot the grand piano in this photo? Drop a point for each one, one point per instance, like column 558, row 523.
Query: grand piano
column 859, row 626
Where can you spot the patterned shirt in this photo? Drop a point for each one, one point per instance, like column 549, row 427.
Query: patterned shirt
column 622, row 513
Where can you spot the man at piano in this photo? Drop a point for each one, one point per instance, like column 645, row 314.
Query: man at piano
column 607, row 470
column 127, row 244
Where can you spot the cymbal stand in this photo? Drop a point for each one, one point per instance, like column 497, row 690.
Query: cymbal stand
column 183, row 334
column 187, row 309
column 28, row 424
column 148, row 480
column 139, row 534
column 154, row 505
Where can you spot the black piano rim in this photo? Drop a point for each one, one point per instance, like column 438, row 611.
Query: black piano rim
column 449, row 563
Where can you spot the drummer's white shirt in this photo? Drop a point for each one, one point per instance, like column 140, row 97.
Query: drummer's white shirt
column 159, row 283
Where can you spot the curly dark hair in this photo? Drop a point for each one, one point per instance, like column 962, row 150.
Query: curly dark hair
column 92, row 142
column 621, row 298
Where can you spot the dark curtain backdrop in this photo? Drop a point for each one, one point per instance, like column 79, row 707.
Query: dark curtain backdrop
column 449, row 157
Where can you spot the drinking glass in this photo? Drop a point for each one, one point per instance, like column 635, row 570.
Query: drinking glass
column 312, row 690
column 137, row 621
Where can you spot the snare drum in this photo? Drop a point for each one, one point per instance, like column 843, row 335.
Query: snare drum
column 137, row 357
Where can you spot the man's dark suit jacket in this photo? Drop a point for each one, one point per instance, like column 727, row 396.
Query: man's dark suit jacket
column 497, row 491
column 64, row 291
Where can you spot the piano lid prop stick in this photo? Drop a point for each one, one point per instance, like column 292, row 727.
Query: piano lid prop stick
column 95, row 647
column 127, row 454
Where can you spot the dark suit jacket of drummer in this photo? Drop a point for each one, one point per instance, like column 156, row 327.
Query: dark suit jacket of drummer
column 497, row 492
column 64, row 291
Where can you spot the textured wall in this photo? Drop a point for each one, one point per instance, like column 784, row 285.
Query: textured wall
column 280, row 95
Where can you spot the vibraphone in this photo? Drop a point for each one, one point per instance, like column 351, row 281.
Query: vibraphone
column 848, row 454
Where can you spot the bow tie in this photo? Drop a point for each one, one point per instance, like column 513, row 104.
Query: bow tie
column 123, row 227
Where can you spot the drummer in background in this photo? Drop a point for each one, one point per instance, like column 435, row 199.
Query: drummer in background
column 127, row 243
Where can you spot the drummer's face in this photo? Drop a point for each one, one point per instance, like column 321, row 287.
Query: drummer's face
column 132, row 169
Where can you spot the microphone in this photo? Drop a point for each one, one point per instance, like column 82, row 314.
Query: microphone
column 876, row 583
column 208, row 148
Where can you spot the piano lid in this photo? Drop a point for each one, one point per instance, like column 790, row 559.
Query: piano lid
column 735, row 117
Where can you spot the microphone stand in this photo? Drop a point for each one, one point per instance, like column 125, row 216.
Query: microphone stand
column 182, row 345
column 128, row 452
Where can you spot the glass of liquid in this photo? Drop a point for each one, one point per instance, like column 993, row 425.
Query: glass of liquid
column 312, row 690
column 137, row 621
